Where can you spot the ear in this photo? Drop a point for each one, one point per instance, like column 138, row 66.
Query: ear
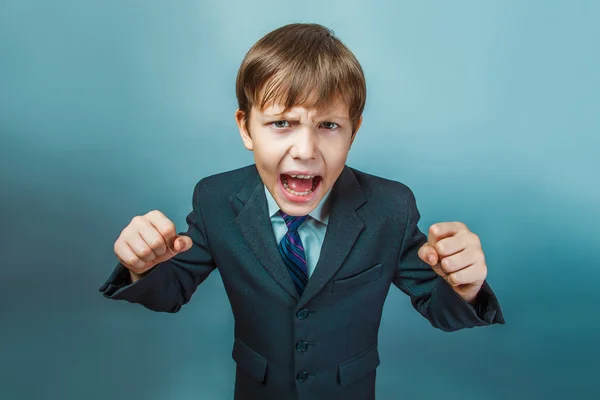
column 240, row 119
column 358, row 124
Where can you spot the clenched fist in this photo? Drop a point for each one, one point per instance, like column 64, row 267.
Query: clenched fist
column 147, row 241
column 455, row 254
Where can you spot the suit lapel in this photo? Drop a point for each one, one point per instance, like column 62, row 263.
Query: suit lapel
column 342, row 231
column 255, row 225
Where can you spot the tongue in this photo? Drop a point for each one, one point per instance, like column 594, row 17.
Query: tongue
column 298, row 184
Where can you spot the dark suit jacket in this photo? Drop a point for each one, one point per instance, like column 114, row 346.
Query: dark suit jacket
column 323, row 344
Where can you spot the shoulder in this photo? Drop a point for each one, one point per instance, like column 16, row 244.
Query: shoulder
column 387, row 198
column 384, row 190
column 232, row 179
column 223, row 185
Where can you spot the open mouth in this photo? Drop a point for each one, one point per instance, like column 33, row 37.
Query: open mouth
column 300, row 185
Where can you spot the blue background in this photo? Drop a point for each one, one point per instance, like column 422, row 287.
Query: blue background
column 489, row 111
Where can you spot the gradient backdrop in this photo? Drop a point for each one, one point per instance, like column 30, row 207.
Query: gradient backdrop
column 109, row 109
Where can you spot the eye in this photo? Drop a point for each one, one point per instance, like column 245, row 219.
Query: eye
column 280, row 124
column 330, row 125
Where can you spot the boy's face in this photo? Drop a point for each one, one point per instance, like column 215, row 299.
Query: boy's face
column 312, row 143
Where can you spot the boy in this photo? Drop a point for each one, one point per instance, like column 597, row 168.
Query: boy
column 307, row 247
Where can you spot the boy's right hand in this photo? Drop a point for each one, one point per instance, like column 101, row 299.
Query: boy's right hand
column 147, row 241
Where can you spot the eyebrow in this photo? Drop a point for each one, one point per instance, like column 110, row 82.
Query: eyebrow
column 338, row 117
column 280, row 115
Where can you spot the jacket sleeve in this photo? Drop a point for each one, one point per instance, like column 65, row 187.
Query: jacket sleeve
column 430, row 294
column 169, row 285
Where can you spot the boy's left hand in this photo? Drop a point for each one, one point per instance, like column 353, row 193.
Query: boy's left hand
column 455, row 254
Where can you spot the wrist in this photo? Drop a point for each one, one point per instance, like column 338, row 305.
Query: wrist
column 471, row 295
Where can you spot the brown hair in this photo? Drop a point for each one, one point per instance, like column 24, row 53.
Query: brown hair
column 300, row 65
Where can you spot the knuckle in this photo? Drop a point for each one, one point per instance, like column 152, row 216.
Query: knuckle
column 446, row 264
column 168, row 229
column 157, row 214
column 132, row 261
column 459, row 278
column 146, row 252
column 157, row 242
column 439, row 247
column 453, row 279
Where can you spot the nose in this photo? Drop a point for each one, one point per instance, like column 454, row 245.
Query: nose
column 305, row 142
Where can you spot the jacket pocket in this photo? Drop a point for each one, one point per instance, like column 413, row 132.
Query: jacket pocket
column 249, row 360
column 372, row 274
column 359, row 365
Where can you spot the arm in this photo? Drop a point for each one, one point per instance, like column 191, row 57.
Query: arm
column 169, row 285
column 430, row 294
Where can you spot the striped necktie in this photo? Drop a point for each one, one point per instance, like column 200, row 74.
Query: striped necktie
column 292, row 251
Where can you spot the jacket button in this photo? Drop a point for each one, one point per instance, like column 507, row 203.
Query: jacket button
column 302, row 376
column 302, row 314
column 301, row 345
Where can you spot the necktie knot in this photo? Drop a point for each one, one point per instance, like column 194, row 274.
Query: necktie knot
column 292, row 222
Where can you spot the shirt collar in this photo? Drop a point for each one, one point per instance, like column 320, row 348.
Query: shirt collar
column 320, row 213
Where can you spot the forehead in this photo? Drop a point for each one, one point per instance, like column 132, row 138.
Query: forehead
column 278, row 96
column 335, row 107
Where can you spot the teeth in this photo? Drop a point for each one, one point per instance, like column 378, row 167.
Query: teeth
column 302, row 176
column 286, row 186
column 297, row 193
